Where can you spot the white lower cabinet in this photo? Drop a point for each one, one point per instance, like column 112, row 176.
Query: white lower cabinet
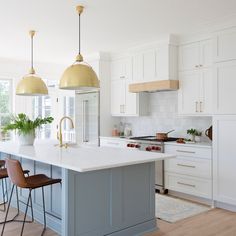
column 112, row 142
column 190, row 172
column 224, row 159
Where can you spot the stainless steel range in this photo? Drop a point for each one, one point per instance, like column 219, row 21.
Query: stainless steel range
column 151, row 144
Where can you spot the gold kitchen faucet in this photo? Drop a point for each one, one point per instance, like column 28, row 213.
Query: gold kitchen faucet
column 59, row 136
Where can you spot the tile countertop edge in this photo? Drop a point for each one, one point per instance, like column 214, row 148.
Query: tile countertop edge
column 89, row 158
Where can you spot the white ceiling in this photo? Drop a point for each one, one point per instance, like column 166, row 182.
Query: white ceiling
column 107, row 25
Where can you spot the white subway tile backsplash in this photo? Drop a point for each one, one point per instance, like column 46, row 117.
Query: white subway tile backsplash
column 163, row 116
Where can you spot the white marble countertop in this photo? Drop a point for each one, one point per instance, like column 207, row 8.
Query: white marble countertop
column 197, row 144
column 81, row 159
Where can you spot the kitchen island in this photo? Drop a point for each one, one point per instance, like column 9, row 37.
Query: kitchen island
column 105, row 191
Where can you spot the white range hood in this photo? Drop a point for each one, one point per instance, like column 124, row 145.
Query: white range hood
column 155, row 67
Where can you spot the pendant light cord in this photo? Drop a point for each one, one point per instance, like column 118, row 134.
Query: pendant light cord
column 32, row 53
column 79, row 35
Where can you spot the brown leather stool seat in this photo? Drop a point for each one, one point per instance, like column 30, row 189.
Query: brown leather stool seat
column 37, row 181
column 18, row 179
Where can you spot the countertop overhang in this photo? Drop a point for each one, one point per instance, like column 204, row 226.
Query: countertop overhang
column 82, row 158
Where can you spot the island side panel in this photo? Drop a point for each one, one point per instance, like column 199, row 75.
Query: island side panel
column 119, row 201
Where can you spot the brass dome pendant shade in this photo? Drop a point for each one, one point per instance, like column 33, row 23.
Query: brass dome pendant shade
column 80, row 75
column 31, row 84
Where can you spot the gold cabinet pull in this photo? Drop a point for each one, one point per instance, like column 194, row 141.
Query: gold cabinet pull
column 201, row 106
column 189, row 185
column 196, row 106
column 183, row 165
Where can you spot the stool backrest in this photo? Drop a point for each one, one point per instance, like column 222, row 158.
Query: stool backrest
column 15, row 173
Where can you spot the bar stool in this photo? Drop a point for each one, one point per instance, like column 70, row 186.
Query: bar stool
column 18, row 179
column 3, row 177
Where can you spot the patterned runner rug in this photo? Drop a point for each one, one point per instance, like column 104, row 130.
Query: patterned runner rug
column 172, row 209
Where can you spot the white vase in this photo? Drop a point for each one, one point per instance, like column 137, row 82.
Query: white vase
column 26, row 139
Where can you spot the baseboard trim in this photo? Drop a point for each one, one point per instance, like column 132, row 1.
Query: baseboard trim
column 137, row 230
column 225, row 206
column 191, row 197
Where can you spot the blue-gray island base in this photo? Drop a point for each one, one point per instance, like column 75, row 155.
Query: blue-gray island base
column 117, row 201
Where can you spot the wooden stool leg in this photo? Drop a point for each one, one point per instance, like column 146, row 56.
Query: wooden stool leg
column 27, row 205
column 8, row 207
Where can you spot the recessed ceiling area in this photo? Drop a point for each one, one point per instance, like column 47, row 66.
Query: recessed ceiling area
column 107, row 25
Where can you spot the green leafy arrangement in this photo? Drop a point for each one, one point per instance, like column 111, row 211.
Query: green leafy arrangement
column 24, row 125
column 194, row 132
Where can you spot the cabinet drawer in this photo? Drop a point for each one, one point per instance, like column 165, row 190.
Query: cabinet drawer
column 189, row 166
column 184, row 151
column 189, row 185
column 112, row 143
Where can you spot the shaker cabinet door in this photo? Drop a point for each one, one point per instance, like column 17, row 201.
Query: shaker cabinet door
column 118, row 97
column 224, row 88
column 206, row 91
column 189, row 93
column 224, row 161
column 189, row 56
column 224, row 45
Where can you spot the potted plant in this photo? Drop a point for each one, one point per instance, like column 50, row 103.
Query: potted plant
column 25, row 128
column 193, row 133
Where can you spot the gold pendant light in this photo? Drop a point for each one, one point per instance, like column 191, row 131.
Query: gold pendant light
column 80, row 75
column 31, row 84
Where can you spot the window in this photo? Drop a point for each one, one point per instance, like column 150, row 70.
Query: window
column 68, row 110
column 42, row 107
column 5, row 101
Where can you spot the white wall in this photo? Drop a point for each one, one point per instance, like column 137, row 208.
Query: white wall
column 163, row 117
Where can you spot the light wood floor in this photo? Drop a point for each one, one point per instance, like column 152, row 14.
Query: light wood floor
column 215, row 222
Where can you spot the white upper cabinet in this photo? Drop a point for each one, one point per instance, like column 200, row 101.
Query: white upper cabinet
column 156, row 63
column 225, row 87
column 224, row 45
column 188, row 94
column 206, row 91
column 119, row 69
column 189, row 56
column 123, row 103
column 137, row 67
column 195, row 55
column 195, row 77
column 118, row 97
column 206, row 53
